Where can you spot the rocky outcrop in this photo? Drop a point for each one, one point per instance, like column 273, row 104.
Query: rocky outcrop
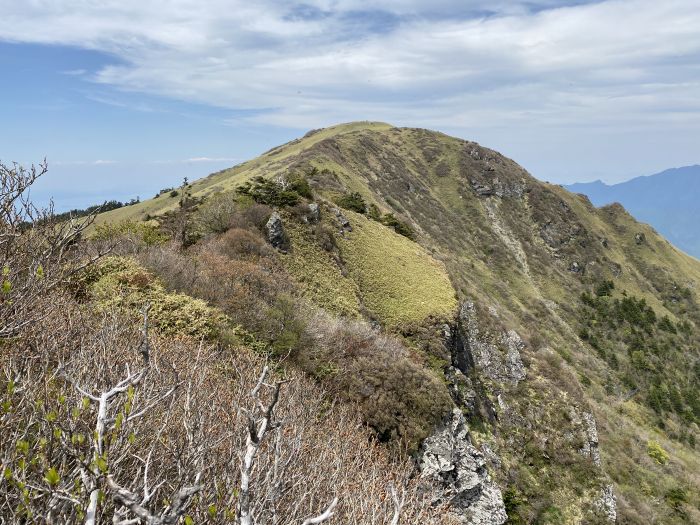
column 314, row 214
column 590, row 447
column 497, row 357
column 343, row 221
column 457, row 470
column 607, row 503
column 276, row 235
column 499, row 188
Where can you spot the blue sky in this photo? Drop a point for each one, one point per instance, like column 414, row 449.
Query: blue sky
column 127, row 97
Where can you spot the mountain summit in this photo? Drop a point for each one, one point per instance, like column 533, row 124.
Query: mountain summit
column 534, row 358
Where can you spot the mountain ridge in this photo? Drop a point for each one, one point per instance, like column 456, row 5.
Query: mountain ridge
column 666, row 200
column 564, row 309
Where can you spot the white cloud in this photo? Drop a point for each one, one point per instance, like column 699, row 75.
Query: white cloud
column 491, row 64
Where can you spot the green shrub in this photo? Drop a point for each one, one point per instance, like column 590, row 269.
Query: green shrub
column 276, row 193
column 605, row 288
column 657, row 453
column 352, row 201
column 399, row 227
column 149, row 233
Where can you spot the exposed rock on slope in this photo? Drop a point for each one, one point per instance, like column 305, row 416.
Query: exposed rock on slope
column 449, row 460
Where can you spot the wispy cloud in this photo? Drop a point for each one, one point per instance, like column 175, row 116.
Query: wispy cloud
column 98, row 162
column 499, row 65
column 212, row 159
column 544, row 61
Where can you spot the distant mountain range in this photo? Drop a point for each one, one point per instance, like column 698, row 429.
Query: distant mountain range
column 668, row 201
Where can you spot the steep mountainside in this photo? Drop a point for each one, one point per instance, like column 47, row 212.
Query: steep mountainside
column 666, row 200
column 566, row 335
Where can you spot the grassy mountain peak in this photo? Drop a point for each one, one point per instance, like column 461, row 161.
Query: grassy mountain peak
column 567, row 335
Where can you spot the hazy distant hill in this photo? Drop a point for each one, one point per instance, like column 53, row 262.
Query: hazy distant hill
column 667, row 200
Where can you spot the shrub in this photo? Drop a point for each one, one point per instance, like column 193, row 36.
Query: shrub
column 352, row 201
column 374, row 213
column 146, row 233
column 239, row 243
column 400, row 400
column 325, row 237
column 605, row 288
column 215, row 214
column 121, row 283
column 279, row 193
column 399, row 227
column 657, row 453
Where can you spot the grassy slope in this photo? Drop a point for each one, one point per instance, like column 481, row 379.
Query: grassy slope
column 270, row 163
column 495, row 252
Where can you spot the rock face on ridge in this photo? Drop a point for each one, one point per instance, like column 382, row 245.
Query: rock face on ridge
column 451, row 463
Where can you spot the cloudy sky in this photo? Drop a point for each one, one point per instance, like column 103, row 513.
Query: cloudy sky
column 125, row 97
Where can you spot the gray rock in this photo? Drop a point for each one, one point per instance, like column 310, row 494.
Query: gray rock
column 276, row 235
column 591, row 446
column 457, row 470
column 345, row 225
column 575, row 267
column 314, row 212
column 607, row 503
column 497, row 357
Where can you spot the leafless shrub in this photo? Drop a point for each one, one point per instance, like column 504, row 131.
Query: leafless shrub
column 92, row 428
column 36, row 251
column 239, row 243
column 216, row 213
column 400, row 399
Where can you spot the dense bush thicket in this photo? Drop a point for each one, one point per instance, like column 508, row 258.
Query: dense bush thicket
column 642, row 350
column 282, row 191
column 194, row 398
column 239, row 273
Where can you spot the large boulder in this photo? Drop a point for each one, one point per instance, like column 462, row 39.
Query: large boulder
column 276, row 235
column 495, row 356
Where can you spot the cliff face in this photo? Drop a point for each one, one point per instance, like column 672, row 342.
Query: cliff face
column 567, row 336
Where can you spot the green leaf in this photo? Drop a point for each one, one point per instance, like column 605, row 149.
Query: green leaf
column 7, row 474
column 40, row 272
column 212, row 511
column 51, row 477
column 6, row 287
column 22, row 447
column 5, row 271
column 189, row 520
column 101, row 464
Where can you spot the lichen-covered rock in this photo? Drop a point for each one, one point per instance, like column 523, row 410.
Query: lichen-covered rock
column 314, row 214
column 496, row 357
column 451, row 464
column 342, row 221
column 276, row 235
column 607, row 503
column 591, row 444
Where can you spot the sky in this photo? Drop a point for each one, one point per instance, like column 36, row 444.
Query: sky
column 126, row 97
